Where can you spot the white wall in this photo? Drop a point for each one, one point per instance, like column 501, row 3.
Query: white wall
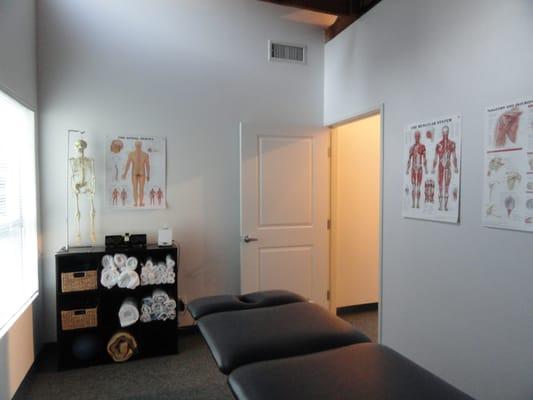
column 17, row 78
column 456, row 298
column 188, row 70
column 17, row 50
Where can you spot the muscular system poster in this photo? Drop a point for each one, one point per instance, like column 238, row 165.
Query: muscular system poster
column 432, row 170
column 508, row 168
column 135, row 172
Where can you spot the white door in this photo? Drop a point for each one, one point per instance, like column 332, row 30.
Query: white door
column 285, row 210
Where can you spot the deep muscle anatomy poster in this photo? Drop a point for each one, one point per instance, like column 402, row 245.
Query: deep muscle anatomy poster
column 135, row 172
column 432, row 170
column 508, row 172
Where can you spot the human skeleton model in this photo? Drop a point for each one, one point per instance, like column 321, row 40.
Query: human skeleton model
column 445, row 157
column 83, row 182
column 417, row 161
column 152, row 196
column 507, row 127
column 140, row 172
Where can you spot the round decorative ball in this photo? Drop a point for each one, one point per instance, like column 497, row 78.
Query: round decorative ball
column 85, row 347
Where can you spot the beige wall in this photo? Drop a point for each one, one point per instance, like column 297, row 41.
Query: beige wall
column 16, row 354
column 355, row 202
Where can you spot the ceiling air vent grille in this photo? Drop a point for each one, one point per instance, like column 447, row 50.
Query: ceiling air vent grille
column 287, row 52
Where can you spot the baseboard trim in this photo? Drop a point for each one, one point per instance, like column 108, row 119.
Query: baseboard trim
column 357, row 308
column 189, row 330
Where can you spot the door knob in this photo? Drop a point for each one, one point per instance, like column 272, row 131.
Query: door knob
column 248, row 239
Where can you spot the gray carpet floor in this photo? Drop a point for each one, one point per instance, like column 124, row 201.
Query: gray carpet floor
column 192, row 374
column 365, row 321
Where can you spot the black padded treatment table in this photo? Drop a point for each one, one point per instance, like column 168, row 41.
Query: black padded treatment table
column 364, row 371
column 214, row 304
column 276, row 345
column 242, row 337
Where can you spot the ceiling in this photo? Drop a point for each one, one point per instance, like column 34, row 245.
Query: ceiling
column 332, row 15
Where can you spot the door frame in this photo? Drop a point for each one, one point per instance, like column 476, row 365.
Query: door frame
column 377, row 110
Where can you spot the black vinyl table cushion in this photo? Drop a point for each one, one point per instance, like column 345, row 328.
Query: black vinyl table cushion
column 358, row 372
column 214, row 304
column 244, row 337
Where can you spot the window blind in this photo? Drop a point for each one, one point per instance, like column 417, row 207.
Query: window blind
column 18, row 211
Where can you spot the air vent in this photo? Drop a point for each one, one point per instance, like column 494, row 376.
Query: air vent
column 287, row 52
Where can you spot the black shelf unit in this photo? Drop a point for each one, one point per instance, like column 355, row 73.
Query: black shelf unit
column 156, row 338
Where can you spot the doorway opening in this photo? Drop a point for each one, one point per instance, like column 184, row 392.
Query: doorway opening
column 355, row 239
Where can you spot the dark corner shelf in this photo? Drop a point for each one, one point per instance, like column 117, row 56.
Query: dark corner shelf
column 88, row 346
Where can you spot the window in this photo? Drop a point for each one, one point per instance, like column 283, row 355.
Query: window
column 18, row 211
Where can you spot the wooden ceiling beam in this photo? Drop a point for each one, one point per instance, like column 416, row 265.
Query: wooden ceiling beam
column 339, row 25
column 359, row 8
column 334, row 7
column 348, row 11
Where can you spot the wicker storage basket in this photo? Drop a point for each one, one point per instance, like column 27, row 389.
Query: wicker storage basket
column 79, row 281
column 79, row 319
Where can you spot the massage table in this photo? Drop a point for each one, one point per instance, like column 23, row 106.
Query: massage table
column 277, row 345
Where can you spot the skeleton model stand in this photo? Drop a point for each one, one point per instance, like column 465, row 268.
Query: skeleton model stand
column 82, row 180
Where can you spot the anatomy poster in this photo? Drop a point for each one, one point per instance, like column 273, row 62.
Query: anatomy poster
column 432, row 170
column 508, row 172
column 135, row 172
